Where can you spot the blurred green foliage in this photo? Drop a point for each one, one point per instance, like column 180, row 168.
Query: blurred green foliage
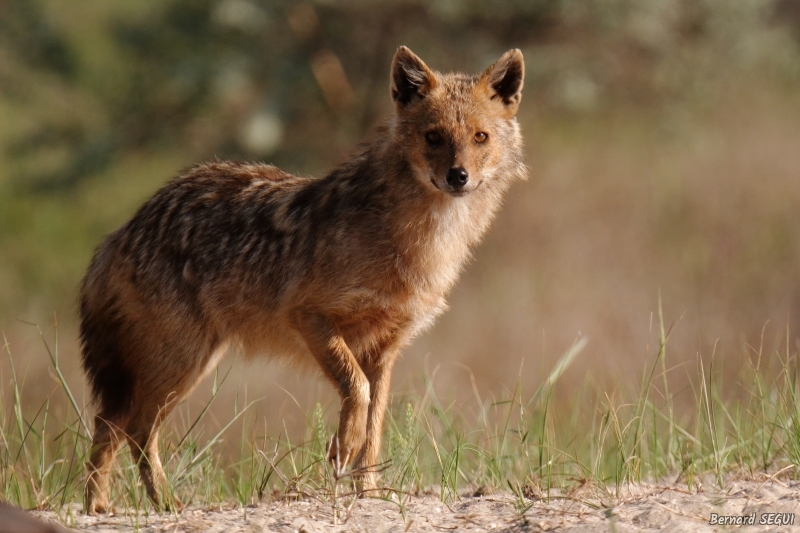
column 100, row 102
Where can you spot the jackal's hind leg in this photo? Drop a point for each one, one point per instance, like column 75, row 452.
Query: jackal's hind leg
column 142, row 433
column 106, row 441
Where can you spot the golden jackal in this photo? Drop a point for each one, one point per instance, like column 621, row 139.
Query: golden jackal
column 342, row 270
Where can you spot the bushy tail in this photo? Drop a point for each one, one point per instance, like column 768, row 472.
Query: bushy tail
column 102, row 332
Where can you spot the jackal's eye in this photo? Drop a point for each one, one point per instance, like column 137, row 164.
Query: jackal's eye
column 433, row 137
column 481, row 137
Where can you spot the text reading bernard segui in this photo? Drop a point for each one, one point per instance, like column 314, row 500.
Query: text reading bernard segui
column 763, row 519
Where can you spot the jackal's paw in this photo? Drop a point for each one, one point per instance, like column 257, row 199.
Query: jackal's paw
column 172, row 505
column 367, row 485
column 94, row 507
column 169, row 503
column 341, row 455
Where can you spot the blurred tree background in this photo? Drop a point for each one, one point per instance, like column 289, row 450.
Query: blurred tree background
column 663, row 144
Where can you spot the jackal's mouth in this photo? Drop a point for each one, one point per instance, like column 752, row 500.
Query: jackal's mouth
column 456, row 192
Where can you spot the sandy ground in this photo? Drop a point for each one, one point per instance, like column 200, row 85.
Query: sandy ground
column 648, row 507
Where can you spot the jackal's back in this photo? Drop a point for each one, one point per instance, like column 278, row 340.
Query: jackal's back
column 181, row 264
column 204, row 227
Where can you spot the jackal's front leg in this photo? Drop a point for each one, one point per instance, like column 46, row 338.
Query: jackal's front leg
column 379, row 374
column 339, row 365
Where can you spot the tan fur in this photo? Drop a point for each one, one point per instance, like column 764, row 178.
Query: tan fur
column 342, row 271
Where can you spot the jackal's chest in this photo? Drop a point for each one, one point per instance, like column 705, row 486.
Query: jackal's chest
column 373, row 324
column 433, row 255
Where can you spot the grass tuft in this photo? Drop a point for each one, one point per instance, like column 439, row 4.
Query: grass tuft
column 528, row 444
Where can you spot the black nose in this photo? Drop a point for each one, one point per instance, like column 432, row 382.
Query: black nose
column 457, row 177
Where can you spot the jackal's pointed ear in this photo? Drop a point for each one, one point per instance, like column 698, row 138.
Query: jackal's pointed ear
column 411, row 77
column 504, row 80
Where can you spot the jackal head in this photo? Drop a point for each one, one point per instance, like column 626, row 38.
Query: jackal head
column 459, row 132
